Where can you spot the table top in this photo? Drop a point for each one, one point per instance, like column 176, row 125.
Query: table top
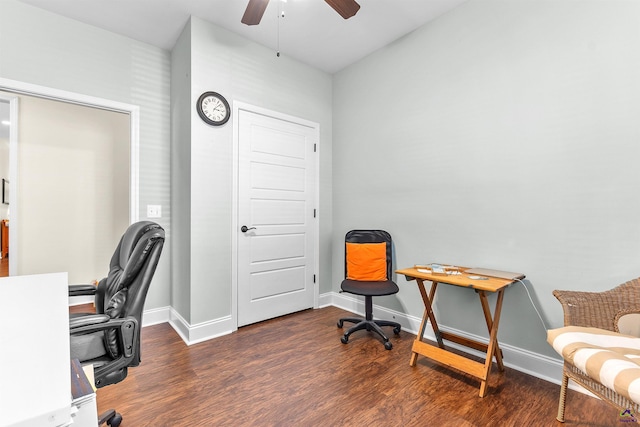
column 489, row 284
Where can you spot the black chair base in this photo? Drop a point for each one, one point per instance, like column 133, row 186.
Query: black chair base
column 369, row 324
column 111, row 417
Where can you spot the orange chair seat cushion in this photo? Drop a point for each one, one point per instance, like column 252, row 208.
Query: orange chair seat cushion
column 366, row 261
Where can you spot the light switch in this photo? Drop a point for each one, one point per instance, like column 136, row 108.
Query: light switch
column 154, row 211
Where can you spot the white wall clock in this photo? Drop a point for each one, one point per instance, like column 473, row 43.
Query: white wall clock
column 213, row 108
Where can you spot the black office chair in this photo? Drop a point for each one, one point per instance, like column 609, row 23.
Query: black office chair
column 368, row 273
column 110, row 338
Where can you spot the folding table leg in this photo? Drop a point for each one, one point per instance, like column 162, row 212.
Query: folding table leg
column 487, row 316
column 493, row 342
column 428, row 314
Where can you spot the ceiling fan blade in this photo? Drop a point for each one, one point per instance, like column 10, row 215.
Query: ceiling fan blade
column 255, row 10
column 346, row 8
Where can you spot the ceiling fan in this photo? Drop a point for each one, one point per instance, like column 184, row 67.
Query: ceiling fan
column 255, row 9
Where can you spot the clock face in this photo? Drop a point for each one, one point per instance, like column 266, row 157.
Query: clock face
column 213, row 108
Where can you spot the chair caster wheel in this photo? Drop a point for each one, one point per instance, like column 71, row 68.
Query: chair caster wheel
column 340, row 323
column 388, row 345
column 115, row 420
column 396, row 330
column 344, row 340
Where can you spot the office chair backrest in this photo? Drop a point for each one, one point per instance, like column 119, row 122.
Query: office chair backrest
column 370, row 236
column 122, row 293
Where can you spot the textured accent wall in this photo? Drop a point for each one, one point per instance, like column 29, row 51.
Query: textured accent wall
column 45, row 49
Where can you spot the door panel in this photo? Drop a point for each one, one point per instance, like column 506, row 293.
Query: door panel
column 278, row 212
column 276, row 195
column 277, row 282
column 277, row 248
column 277, row 177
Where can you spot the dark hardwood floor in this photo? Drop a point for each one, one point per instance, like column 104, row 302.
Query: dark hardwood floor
column 294, row 371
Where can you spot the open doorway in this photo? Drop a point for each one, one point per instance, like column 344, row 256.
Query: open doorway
column 77, row 177
column 5, row 127
column 73, row 198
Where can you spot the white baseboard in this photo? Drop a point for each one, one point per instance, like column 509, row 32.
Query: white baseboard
column 84, row 299
column 534, row 364
column 156, row 316
column 193, row 334
column 537, row 365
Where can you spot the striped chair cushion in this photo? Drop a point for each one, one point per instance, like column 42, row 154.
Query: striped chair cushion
column 608, row 357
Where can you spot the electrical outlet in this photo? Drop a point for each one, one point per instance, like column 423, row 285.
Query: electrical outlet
column 154, row 211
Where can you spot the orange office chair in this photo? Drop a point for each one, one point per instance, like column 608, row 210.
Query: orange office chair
column 368, row 273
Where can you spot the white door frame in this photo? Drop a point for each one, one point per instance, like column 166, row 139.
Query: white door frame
column 237, row 107
column 21, row 88
column 13, row 173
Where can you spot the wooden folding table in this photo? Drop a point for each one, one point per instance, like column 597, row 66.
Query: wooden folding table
column 440, row 353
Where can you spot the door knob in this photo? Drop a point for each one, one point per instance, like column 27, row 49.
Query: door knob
column 244, row 228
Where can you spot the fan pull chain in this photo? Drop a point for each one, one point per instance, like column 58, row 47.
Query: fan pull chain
column 280, row 16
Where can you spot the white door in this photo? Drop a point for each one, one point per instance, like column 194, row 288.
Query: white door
column 276, row 196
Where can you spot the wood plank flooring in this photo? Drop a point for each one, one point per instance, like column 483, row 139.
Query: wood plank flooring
column 294, row 371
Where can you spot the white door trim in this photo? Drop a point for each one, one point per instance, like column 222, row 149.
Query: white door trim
column 13, row 174
column 133, row 111
column 237, row 107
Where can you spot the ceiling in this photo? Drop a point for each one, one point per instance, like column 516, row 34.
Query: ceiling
column 311, row 31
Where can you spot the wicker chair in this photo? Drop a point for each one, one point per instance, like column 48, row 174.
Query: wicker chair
column 598, row 310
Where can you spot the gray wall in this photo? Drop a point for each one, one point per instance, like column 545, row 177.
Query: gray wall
column 243, row 71
column 193, row 180
column 181, row 174
column 45, row 49
column 503, row 135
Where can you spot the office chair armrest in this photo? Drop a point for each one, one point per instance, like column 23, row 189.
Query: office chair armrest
column 128, row 344
column 88, row 323
column 128, row 327
column 80, row 290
